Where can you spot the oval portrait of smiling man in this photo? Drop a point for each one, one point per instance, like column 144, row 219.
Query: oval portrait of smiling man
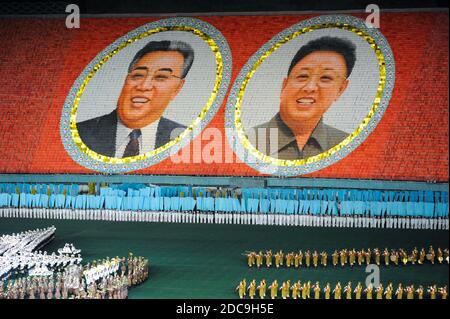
column 147, row 95
column 310, row 95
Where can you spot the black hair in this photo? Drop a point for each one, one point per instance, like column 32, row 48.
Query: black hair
column 342, row 46
column 178, row 46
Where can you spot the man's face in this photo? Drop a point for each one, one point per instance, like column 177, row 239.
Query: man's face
column 150, row 86
column 314, row 83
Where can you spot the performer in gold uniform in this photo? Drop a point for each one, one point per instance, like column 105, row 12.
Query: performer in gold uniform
column 273, row 289
column 241, row 288
column 315, row 259
column 252, row 289
column 377, row 256
column 289, row 259
column 379, row 290
column 369, row 291
column 327, row 291
column 386, row 257
column 259, row 259
column 251, row 258
column 388, row 292
column 431, row 255
column 432, row 291
column 324, row 258
column 358, row 291
column 410, row 292
column 360, row 255
column 335, row 258
column 297, row 260
column 443, row 292
column 440, row 256
column 268, row 256
column 414, row 256
column 399, row 291
column 278, row 259
column 295, row 290
column 342, row 257
column 368, row 256
column 337, row 291
column 420, row 292
column 307, row 258
column 262, row 289
column 316, row 289
column 352, row 257
column 348, row 290
column 403, row 256
column 422, row 256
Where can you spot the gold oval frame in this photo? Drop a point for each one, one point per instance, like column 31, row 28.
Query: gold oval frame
column 114, row 160
column 290, row 163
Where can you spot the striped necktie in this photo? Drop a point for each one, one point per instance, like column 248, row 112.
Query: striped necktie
column 132, row 148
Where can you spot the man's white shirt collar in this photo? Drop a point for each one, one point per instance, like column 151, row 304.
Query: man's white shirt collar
column 146, row 140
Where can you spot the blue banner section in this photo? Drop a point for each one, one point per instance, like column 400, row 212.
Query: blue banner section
column 305, row 201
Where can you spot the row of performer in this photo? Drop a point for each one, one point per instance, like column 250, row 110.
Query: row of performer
column 55, row 287
column 109, row 278
column 307, row 290
column 220, row 217
column 349, row 257
column 288, row 201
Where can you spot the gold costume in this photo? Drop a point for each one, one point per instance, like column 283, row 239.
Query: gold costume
column 259, row 259
column 410, row 292
column 308, row 258
column 296, row 261
column 380, row 291
column 369, row 292
column 388, row 292
column 352, row 257
column 251, row 259
column 422, row 256
column 399, row 292
column 337, row 291
column 335, row 258
column 295, row 290
column 342, row 255
column 377, row 257
column 420, row 292
column 440, row 257
column 360, row 257
column 278, row 260
column 252, row 289
column 241, row 289
column 324, row 258
column 315, row 259
column 327, row 291
column 368, row 256
column 432, row 292
column 262, row 289
column 268, row 258
column 386, row 257
column 348, row 291
column 443, row 292
column 358, row 291
column 316, row 289
column 273, row 290
column 289, row 258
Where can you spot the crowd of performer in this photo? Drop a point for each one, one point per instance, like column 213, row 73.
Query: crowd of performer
column 307, row 290
column 350, row 257
column 97, row 280
column 293, row 207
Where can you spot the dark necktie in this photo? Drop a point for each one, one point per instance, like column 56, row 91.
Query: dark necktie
column 132, row 148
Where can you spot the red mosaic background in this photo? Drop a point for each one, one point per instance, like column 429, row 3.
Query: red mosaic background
column 40, row 59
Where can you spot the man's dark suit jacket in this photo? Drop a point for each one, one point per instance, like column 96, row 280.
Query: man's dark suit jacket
column 99, row 134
